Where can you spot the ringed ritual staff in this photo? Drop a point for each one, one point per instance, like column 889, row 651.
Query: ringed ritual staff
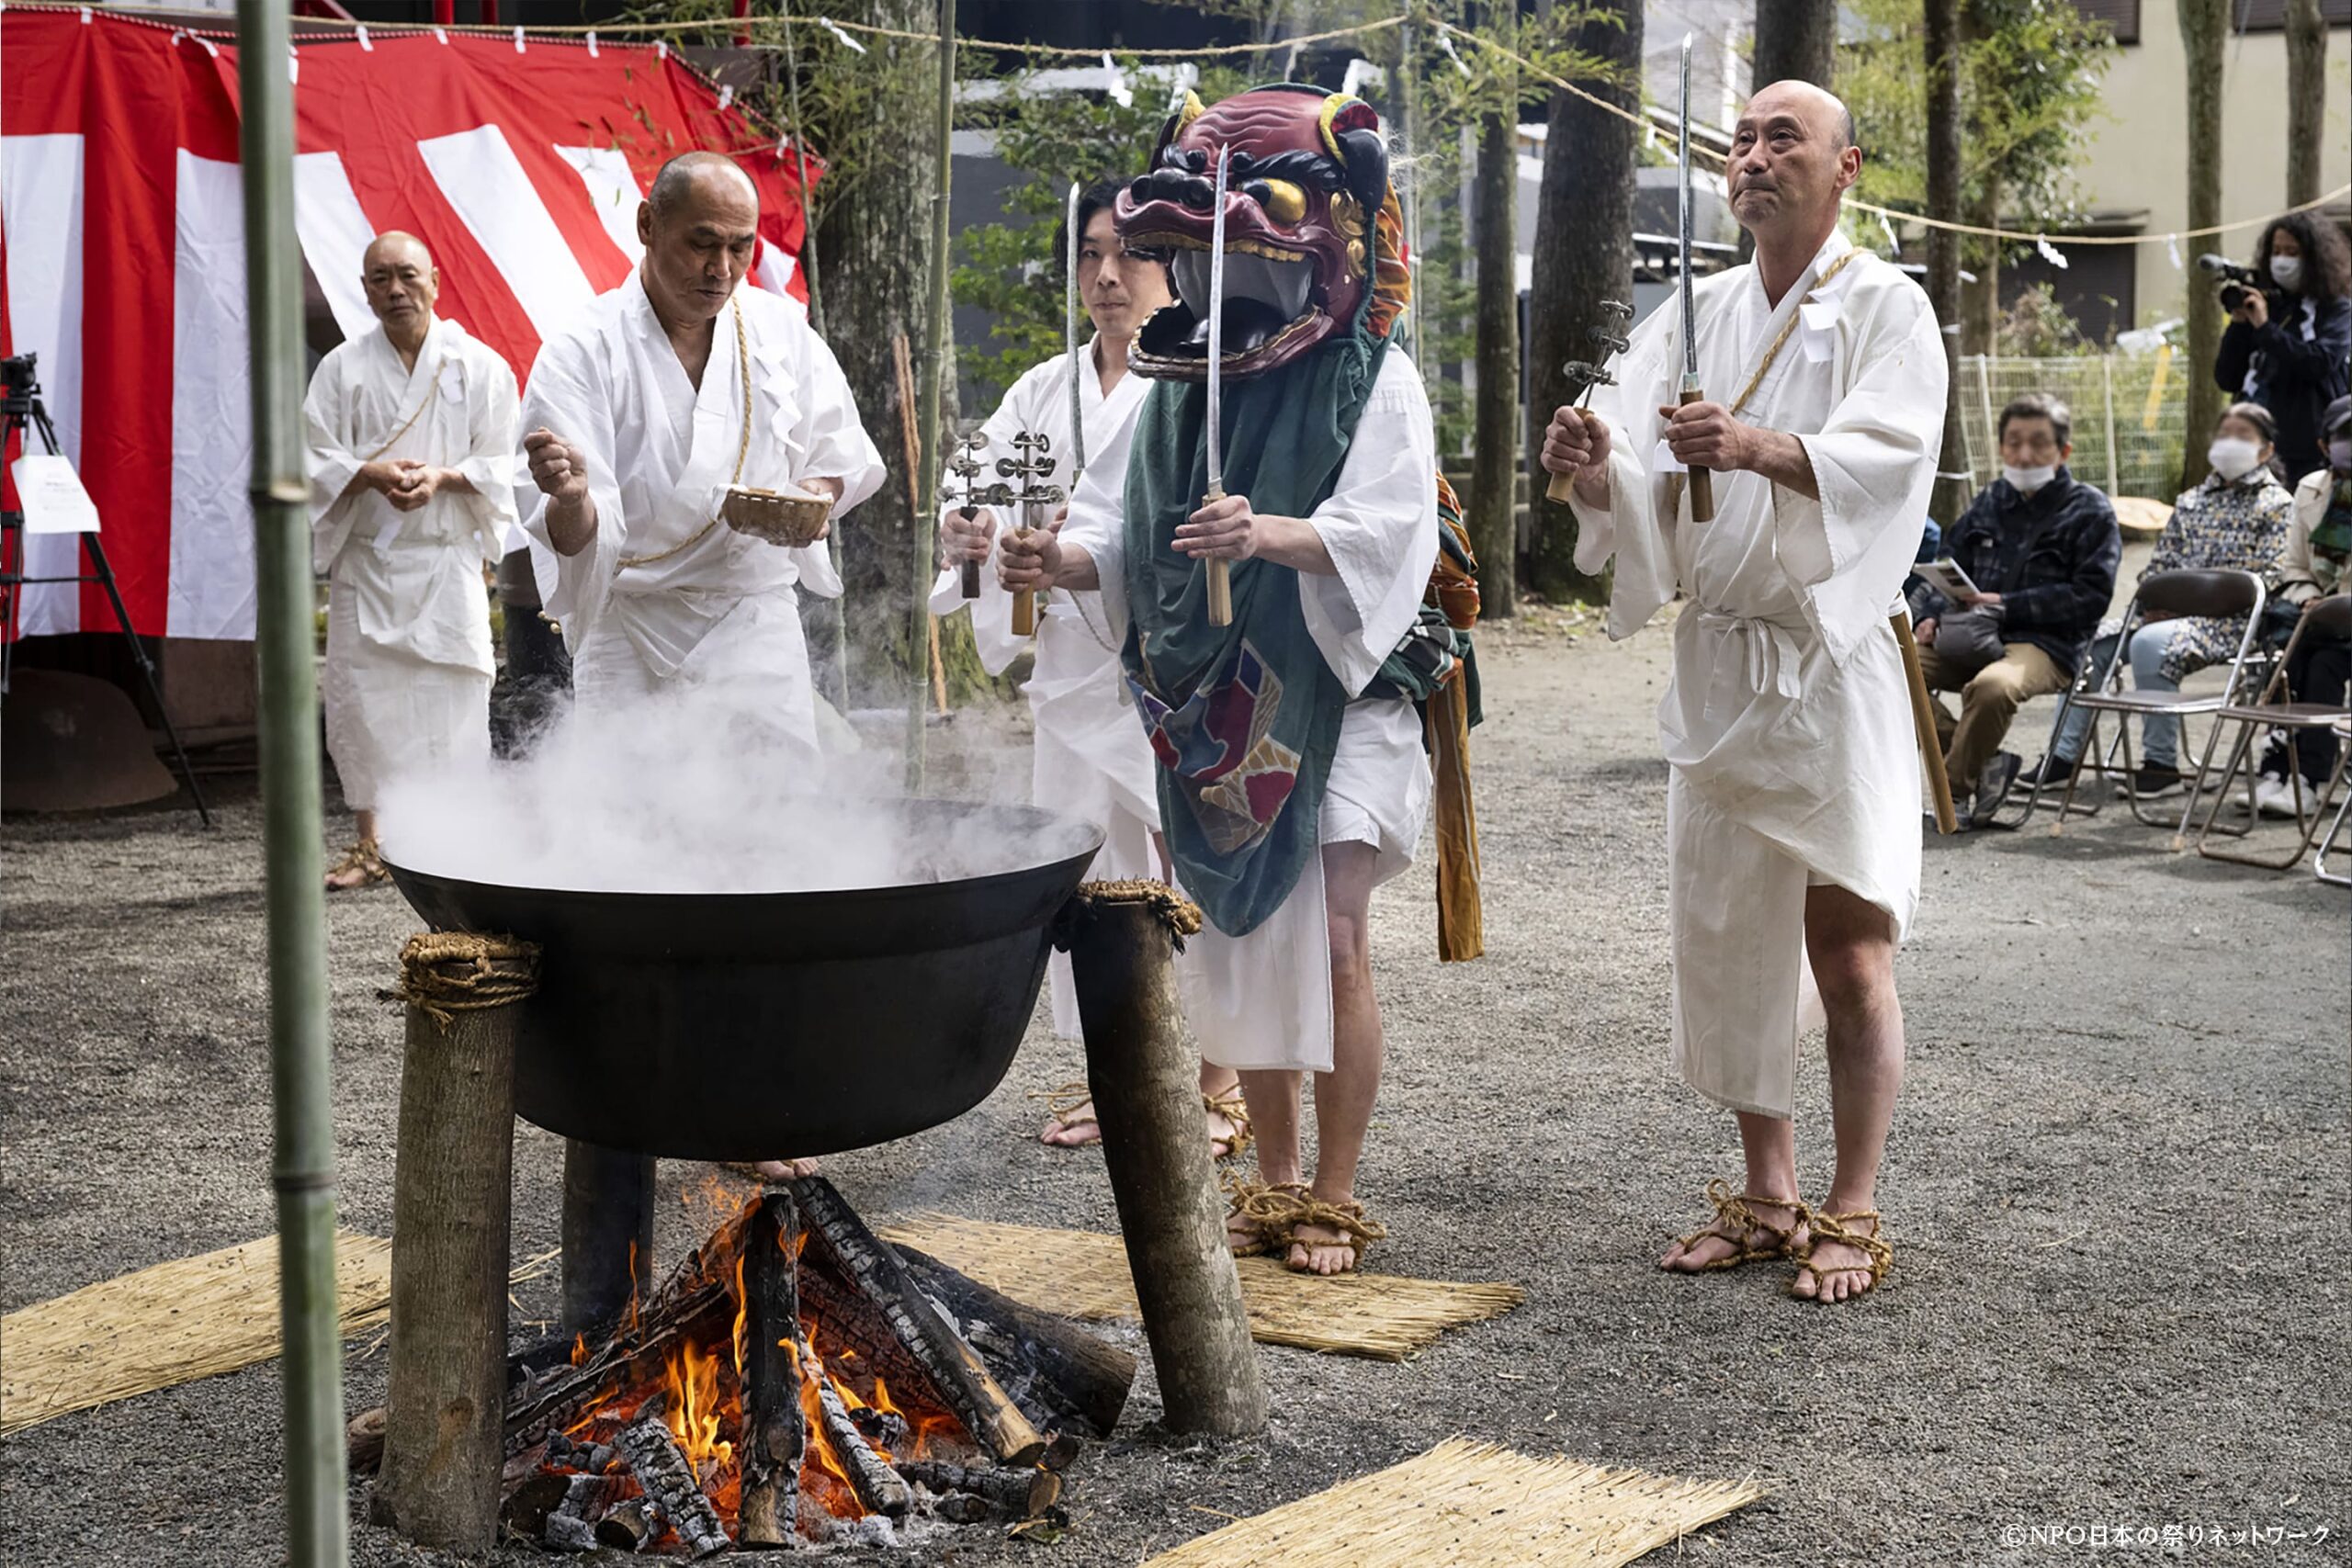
column 666, row 394
column 1793, row 804
column 1287, row 443
column 1092, row 758
column 412, row 465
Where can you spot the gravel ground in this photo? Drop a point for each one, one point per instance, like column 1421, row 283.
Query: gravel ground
column 2117, row 1187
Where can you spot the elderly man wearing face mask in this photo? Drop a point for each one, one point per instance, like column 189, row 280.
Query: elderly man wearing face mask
column 2042, row 548
column 2236, row 520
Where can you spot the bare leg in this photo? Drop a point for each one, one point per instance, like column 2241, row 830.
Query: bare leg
column 1851, row 943
column 1344, row 1096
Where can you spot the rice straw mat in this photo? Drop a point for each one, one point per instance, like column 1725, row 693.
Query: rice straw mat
column 158, row 1327
column 1472, row 1503
column 1084, row 1274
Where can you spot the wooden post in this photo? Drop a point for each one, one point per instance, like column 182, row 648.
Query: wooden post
column 608, row 1232
column 1122, row 938
column 445, row 1420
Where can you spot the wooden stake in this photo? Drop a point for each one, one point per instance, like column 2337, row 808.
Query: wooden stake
column 1147, row 1093
column 1923, row 724
column 607, row 1234
column 444, row 1421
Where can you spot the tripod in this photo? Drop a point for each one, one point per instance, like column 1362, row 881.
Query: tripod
column 21, row 413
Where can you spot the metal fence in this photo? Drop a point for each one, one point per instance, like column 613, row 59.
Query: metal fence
column 2130, row 415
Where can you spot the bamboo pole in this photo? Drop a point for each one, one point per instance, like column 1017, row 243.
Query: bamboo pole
column 924, row 481
column 817, row 325
column 302, row 1167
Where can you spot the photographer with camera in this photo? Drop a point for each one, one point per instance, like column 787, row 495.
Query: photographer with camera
column 2289, row 344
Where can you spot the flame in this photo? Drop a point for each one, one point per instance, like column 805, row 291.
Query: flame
column 579, row 1350
column 693, row 1411
column 742, row 1314
column 632, row 1285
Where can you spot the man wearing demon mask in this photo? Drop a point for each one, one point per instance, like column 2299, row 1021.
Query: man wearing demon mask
column 1291, row 780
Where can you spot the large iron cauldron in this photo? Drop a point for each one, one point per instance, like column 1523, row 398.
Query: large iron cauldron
column 739, row 1026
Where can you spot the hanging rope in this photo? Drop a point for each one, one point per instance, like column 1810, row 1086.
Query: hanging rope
column 447, row 972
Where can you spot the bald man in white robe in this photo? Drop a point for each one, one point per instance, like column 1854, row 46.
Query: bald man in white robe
column 411, row 429
column 1793, row 804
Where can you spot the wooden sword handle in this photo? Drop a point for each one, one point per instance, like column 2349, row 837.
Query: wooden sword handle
column 1702, row 480
column 1923, row 724
column 1562, row 487
column 1024, row 603
column 970, row 570
column 1220, row 576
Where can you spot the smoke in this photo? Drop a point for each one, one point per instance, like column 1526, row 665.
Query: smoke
column 673, row 795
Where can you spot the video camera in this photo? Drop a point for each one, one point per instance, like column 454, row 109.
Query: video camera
column 2236, row 281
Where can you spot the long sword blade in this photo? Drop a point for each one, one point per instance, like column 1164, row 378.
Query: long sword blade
column 1682, row 228
column 1069, row 342
column 1216, row 328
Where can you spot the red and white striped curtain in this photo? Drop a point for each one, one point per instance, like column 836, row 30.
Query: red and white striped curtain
column 518, row 160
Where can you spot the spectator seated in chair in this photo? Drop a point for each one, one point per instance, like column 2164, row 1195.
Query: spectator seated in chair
column 2042, row 548
column 2318, row 544
column 2234, row 520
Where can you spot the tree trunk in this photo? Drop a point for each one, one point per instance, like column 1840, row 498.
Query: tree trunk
column 1980, row 303
column 1950, row 497
column 1493, row 499
column 1583, row 253
column 871, row 245
column 1794, row 39
column 2204, row 24
column 2306, row 98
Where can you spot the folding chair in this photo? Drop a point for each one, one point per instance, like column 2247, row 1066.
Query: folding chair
column 2086, row 678
column 2336, row 828
column 2276, row 709
column 2169, row 594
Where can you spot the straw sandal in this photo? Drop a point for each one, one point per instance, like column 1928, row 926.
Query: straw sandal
column 1230, row 1106
column 1357, row 1232
column 366, row 859
column 1265, row 1214
column 1835, row 1228
column 1731, row 1209
column 1063, row 1105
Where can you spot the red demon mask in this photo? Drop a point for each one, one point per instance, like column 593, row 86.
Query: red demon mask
column 1310, row 228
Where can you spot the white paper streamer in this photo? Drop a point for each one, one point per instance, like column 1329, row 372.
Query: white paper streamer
column 440, row 35
column 293, row 66
column 834, row 28
column 592, row 46
column 365, row 47
column 726, row 97
column 518, row 40
column 2051, row 254
column 2171, row 249
column 1446, row 42
column 1116, row 86
column 1894, row 243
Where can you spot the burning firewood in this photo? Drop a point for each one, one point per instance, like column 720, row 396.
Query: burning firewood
column 878, row 1486
column 954, row 1367
column 1010, row 1492
column 630, row 1525
column 662, row 1469
column 774, row 1441
column 1063, row 1377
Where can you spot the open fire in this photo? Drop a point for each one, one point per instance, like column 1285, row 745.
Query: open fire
column 798, row 1380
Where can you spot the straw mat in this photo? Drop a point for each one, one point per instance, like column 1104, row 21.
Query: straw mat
column 1084, row 1274
column 158, row 1327
column 1474, row 1503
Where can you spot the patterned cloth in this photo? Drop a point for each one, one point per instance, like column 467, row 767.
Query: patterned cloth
column 2221, row 525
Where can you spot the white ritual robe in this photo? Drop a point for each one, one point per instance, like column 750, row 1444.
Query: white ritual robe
column 408, row 664
column 1787, row 720
column 1263, row 1001
column 1091, row 759
column 660, row 612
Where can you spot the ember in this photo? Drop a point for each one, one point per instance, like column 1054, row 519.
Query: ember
column 773, row 1390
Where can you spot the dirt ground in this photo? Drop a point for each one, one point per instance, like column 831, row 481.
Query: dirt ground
column 2117, row 1188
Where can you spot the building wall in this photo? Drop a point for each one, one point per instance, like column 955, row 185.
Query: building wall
column 2140, row 154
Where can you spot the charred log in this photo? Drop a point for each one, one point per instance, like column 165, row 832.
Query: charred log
column 878, row 1486
column 631, row 1526
column 954, row 1368
column 1011, row 1493
column 1065, row 1378
column 772, row 1437
column 556, row 1399
column 662, row 1469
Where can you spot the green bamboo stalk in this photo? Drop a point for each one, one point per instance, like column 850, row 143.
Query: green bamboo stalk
column 934, row 371
column 303, row 1168
column 817, row 325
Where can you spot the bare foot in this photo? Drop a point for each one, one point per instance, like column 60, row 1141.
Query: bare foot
column 1228, row 1126
column 1261, row 1214
column 1072, row 1129
column 360, row 867
column 1331, row 1237
column 771, row 1170
column 1846, row 1259
column 1745, row 1229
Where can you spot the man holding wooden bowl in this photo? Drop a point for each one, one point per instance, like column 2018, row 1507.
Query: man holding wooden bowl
column 689, row 441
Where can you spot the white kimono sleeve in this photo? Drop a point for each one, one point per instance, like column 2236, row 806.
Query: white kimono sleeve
column 493, row 409
column 833, row 446
column 332, row 465
column 569, row 395
column 1097, row 525
column 1874, row 463
column 1379, row 527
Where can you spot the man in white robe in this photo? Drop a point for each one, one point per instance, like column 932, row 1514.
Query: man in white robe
column 1794, row 805
column 1091, row 759
column 412, row 455
column 663, row 394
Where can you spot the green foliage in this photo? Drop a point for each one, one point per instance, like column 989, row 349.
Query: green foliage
column 2029, row 90
column 2036, row 326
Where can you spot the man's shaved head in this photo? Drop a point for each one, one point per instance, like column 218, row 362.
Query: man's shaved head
column 398, row 274
column 1792, row 158
column 690, row 174
column 1819, row 105
column 392, row 246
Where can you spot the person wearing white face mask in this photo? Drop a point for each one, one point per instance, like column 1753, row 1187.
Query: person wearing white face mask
column 2042, row 548
column 2289, row 344
column 2236, row 520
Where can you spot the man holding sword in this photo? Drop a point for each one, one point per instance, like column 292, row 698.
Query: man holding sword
column 1767, row 455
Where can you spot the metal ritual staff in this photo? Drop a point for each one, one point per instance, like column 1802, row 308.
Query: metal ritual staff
column 1035, row 498
column 1702, row 482
column 1584, row 374
column 1220, row 574
column 1069, row 342
column 966, row 465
